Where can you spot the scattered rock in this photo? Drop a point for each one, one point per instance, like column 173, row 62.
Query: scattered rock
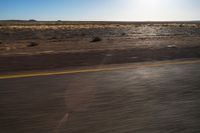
column 134, row 57
column 32, row 44
column 96, row 39
column 109, row 55
column 171, row 46
column 8, row 48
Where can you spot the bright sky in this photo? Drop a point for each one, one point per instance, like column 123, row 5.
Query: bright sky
column 101, row 10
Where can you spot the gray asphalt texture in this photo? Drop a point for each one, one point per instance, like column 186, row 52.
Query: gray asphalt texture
column 163, row 99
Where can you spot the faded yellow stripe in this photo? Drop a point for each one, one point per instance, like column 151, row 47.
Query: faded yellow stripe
column 129, row 66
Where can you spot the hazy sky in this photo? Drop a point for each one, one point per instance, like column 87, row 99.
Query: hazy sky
column 101, row 10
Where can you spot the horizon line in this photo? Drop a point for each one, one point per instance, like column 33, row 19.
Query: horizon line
column 37, row 20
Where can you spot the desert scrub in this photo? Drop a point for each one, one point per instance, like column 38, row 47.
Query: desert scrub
column 32, row 44
column 53, row 38
column 123, row 34
column 96, row 39
column 181, row 25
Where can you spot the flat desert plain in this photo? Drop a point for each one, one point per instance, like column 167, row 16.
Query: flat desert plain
column 64, row 44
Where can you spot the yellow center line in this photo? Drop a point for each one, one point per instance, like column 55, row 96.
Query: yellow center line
column 130, row 66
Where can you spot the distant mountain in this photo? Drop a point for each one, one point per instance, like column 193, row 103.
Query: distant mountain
column 63, row 21
column 31, row 20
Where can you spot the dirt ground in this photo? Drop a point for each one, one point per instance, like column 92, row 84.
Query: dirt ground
column 76, row 42
column 22, row 39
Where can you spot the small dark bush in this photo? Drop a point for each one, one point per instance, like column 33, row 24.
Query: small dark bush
column 123, row 34
column 53, row 38
column 96, row 39
column 181, row 25
column 32, row 44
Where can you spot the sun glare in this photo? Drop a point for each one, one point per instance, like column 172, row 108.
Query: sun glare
column 149, row 9
column 149, row 5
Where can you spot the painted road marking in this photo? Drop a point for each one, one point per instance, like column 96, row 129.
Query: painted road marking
column 128, row 66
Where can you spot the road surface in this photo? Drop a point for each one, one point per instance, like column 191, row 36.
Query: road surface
column 154, row 98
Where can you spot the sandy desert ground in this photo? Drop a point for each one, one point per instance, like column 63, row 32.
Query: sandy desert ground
column 92, row 41
column 38, row 38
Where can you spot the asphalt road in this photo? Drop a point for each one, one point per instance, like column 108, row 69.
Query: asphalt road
column 145, row 99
